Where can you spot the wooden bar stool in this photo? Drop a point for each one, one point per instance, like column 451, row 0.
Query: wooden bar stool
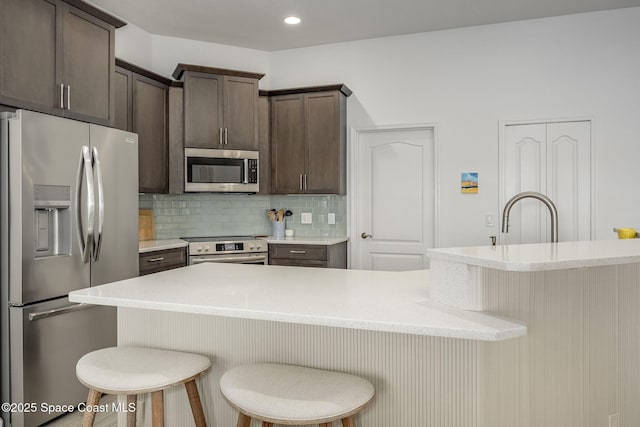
column 134, row 370
column 294, row 395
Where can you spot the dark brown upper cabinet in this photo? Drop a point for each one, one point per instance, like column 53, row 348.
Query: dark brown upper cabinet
column 220, row 107
column 308, row 140
column 264, row 145
column 57, row 57
column 142, row 107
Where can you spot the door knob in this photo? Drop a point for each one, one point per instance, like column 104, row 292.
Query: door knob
column 365, row 235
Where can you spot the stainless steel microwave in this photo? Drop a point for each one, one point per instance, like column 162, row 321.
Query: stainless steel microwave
column 220, row 171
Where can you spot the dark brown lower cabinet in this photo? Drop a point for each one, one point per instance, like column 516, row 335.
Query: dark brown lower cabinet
column 167, row 259
column 324, row 256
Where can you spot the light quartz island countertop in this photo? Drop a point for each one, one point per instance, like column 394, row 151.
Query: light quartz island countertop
column 544, row 256
column 367, row 300
column 488, row 337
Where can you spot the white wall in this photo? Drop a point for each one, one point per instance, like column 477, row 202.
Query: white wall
column 161, row 54
column 133, row 44
column 466, row 81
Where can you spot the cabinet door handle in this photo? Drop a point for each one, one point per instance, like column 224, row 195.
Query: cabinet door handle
column 160, row 258
column 226, row 136
column 68, row 97
column 62, row 95
column 305, row 181
column 220, row 137
column 297, row 252
column 300, row 181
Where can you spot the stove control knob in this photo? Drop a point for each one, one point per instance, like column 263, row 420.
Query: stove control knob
column 199, row 248
column 251, row 247
column 258, row 247
column 206, row 248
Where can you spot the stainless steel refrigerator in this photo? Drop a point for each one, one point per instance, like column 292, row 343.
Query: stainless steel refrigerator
column 68, row 220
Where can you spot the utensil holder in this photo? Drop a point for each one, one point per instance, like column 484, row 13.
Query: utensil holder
column 277, row 228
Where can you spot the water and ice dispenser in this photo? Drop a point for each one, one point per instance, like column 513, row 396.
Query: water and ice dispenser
column 52, row 220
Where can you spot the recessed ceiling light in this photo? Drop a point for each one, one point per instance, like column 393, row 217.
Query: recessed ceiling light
column 292, row 20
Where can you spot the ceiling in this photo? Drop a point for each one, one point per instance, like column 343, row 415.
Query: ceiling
column 258, row 24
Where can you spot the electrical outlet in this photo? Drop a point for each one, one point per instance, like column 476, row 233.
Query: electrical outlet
column 306, row 218
column 331, row 218
column 614, row 420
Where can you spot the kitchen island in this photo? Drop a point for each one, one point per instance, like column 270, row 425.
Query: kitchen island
column 525, row 357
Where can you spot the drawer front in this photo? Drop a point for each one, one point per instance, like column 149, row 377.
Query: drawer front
column 299, row 262
column 300, row 252
column 152, row 262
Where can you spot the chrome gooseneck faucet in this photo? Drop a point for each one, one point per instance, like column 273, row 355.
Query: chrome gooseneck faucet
column 533, row 195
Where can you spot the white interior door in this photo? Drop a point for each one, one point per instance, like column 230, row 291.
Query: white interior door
column 394, row 199
column 554, row 159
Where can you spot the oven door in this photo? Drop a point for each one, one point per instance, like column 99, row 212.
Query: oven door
column 260, row 258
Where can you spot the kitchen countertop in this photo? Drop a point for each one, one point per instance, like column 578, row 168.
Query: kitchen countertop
column 305, row 240
column 544, row 256
column 366, row 300
column 159, row 245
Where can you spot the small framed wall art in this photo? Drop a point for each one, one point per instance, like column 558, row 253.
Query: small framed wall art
column 469, row 183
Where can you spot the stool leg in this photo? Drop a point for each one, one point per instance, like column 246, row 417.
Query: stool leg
column 196, row 405
column 267, row 424
column 157, row 409
column 132, row 402
column 89, row 416
column 325, row 425
column 243, row 420
column 348, row 422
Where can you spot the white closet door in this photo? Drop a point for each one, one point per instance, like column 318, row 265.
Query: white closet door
column 525, row 170
column 553, row 159
column 569, row 177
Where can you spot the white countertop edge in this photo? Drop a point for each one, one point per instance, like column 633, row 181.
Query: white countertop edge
column 485, row 334
column 145, row 246
column 301, row 240
column 594, row 254
column 534, row 266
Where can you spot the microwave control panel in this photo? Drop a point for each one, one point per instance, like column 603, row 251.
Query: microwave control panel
column 252, row 173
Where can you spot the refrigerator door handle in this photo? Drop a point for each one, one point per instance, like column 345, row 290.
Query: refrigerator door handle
column 58, row 311
column 98, row 240
column 85, row 243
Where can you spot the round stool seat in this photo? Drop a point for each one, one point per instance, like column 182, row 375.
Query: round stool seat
column 287, row 394
column 136, row 370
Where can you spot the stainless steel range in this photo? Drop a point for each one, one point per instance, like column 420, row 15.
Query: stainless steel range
column 230, row 249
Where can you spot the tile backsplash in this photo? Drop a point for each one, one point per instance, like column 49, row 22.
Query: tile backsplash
column 190, row 215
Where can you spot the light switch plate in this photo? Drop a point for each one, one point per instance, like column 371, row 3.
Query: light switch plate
column 614, row 420
column 331, row 218
column 306, row 218
column 489, row 220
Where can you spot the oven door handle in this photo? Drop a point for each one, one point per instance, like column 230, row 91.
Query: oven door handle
column 232, row 259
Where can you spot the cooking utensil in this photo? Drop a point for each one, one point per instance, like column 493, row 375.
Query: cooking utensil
column 280, row 215
column 272, row 214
